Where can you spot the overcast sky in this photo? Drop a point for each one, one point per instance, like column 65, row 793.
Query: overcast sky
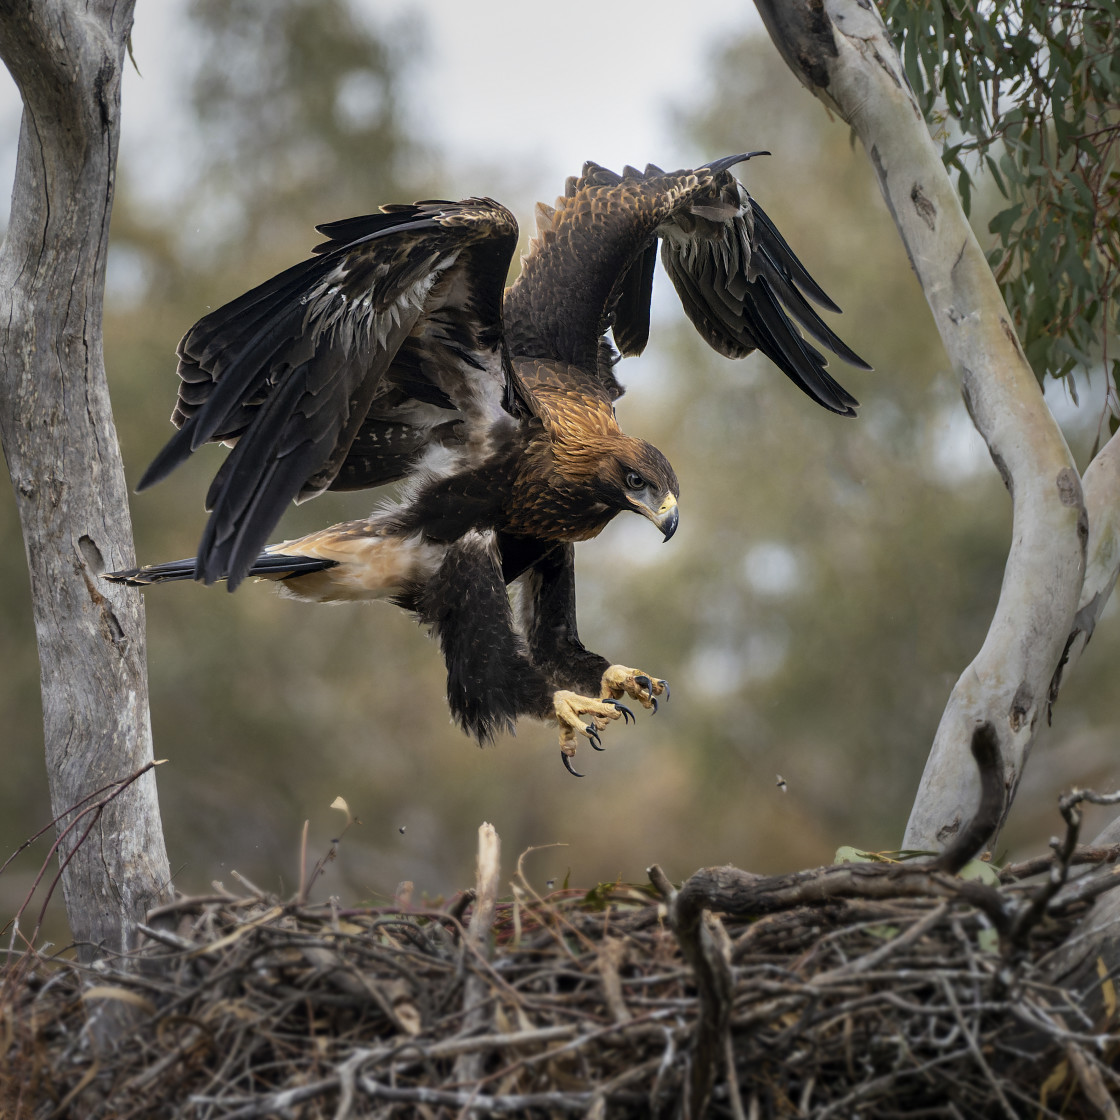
column 555, row 84
column 530, row 88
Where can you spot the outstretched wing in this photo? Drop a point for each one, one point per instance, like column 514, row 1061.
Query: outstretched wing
column 590, row 270
column 342, row 370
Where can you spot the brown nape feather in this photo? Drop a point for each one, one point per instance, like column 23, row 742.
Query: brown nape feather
column 574, row 478
column 582, row 441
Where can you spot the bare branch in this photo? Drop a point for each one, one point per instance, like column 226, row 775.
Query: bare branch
column 468, row 1067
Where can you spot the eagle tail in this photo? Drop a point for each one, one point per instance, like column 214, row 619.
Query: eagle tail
column 268, row 566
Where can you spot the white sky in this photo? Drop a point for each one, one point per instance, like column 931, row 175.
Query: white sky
column 527, row 89
column 553, row 85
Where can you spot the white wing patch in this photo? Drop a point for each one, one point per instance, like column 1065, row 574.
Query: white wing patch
column 330, row 311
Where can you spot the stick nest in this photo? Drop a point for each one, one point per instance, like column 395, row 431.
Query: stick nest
column 863, row 990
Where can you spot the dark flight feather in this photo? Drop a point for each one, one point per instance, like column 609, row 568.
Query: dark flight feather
column 740, row 283
column 292, row 369
column 630, row 311
column 268, row 566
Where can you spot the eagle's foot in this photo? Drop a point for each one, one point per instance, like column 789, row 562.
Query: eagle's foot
column 583, row 715
column 620, row 681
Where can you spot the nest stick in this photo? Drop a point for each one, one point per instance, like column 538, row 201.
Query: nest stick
column 476, row 991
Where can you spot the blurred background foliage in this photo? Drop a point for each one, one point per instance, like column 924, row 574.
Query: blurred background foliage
column 830, row 580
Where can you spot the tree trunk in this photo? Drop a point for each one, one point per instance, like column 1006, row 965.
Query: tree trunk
column 61, row 448
column 841, row 51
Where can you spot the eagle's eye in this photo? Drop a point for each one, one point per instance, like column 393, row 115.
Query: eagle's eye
column 634, row 481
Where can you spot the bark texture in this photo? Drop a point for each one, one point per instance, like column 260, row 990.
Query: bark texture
column 1101, row 486
column 61, row 447
column 841, row 51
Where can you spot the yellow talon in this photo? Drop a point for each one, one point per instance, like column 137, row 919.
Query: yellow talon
column 620, row 681
column 581, row 715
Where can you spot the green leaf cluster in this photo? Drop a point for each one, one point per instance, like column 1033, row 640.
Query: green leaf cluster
column 1030, row 91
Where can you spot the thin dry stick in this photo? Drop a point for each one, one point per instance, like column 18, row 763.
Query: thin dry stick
column 476, row 992
column 561, row 943
column 93, row 811
column 1092, row 1083
column 301, row 894
column 507, row 1102
column 1069, row 806
column 331, row 853
column 1089, row 853
column 73, row 809
column 977, row 1054
column 874, row 959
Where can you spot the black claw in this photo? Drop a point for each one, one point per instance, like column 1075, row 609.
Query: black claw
column 665, row 685
column 627, row 715
column 593, row 735
column 569, row 767
column 642, row 681
column 653, row 702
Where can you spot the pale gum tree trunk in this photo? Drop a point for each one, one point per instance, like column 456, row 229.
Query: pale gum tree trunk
column 61, row 448
column 840, row 50
column 1057, row 582
column 1083, row 961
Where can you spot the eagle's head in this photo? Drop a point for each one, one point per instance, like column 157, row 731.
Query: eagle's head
column 637, row 477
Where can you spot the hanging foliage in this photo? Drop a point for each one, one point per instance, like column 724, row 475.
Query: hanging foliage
column 1030, row 92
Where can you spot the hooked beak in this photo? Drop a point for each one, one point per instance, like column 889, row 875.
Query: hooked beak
column 666, row 516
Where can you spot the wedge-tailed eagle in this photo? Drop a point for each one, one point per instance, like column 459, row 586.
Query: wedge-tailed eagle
column 394, row 353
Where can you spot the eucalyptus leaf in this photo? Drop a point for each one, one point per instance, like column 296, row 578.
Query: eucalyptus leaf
column 1030, row 93
column 981, row 872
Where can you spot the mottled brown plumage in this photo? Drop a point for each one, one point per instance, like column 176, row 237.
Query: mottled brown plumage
column 575, row 464
column 393, row 354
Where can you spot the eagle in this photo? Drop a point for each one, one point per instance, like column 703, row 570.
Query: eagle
column 395, row 353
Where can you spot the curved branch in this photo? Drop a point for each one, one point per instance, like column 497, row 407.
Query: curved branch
column 841, row 51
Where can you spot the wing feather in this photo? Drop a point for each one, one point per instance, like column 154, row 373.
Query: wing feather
column 737, row 325
column 741, row 284
column 292, row 370
column 630, row 312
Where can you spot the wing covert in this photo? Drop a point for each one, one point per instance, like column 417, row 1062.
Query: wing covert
column 395, row 323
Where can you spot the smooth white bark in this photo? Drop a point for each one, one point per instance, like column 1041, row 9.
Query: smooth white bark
column 1101, row 487
column 842, row 53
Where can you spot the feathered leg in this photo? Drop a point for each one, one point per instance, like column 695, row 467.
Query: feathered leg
column 549, row 620
column 548, row 610
column 490, row 677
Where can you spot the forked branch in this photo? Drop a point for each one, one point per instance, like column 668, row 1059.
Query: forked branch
column 841, row 51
